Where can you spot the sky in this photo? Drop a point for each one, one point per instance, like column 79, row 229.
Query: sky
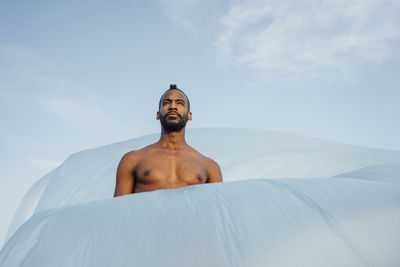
column 81, row 74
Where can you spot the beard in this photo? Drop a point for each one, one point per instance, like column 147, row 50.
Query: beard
column 174, row 126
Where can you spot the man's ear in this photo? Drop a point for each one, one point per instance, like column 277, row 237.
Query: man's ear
column 158, row 115
column 190, row 116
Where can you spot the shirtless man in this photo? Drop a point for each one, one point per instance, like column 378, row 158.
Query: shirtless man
column 171, row 162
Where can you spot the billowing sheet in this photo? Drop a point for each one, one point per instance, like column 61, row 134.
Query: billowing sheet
column 308, row 219
column 294, row 222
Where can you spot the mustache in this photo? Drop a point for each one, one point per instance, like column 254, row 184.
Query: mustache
column 175, row 113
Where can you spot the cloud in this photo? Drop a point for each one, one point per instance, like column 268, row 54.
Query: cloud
column 302, row 35
column 180, row 10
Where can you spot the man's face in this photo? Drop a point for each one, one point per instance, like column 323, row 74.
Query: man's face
column 173, row 113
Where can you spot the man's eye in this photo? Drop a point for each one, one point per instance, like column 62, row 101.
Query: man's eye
column 181, row 103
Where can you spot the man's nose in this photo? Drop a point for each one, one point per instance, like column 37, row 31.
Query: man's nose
column 172, row 106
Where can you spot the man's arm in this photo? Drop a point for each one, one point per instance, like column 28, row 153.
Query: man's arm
column 213, row 171
column 125, row 178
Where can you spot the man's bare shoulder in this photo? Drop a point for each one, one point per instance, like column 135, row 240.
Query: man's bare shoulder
column 135, row 154
column 196, row 154
column 211, row 164
column 213, row 170
column 131, row 156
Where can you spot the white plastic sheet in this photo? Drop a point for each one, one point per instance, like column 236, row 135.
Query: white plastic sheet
column 294, row 222
column 276, row 222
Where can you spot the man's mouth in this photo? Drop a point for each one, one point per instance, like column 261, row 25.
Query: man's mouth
column 173, row 114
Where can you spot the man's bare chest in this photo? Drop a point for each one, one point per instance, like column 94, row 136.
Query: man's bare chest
column 170, row 170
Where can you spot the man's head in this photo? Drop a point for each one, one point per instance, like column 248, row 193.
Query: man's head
column 174, row 109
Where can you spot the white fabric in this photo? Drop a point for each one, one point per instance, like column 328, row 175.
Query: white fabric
column 276, row 222
column 294, row 222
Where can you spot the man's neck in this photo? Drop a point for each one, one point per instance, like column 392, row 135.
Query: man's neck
column 172, row 140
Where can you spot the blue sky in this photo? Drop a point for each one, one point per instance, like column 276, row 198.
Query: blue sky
column 83, row 74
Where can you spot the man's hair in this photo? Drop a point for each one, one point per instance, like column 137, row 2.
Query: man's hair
column 173, row 87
